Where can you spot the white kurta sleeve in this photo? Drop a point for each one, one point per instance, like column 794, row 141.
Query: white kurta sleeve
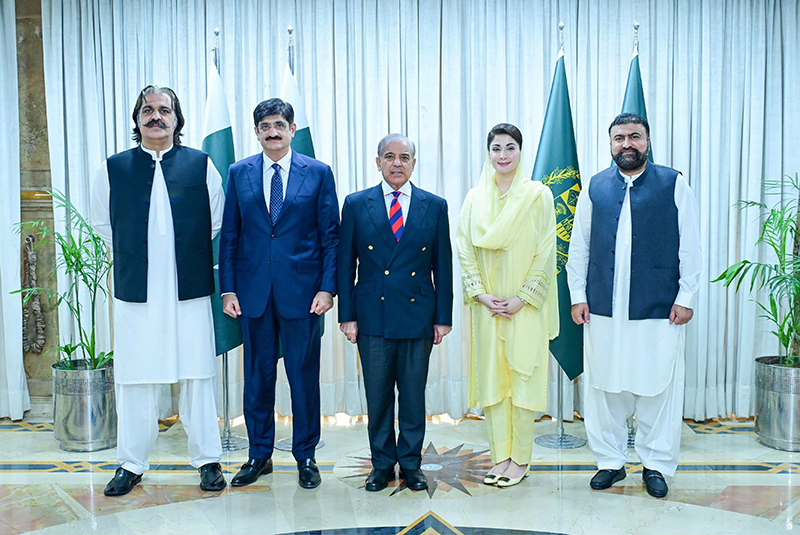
column 216, row 197
column 578, row 262
column 100, row 215
column 689, row 253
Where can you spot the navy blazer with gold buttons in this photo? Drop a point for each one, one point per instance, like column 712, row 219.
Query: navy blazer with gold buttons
column 403, row 288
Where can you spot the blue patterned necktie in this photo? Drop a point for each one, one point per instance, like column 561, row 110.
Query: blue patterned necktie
column 276, row 194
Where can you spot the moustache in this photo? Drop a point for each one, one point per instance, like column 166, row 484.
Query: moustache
column 273, row 138
column 156, row 123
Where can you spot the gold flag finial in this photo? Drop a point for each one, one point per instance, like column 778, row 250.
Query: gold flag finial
column 636, row 35
column 561, row 34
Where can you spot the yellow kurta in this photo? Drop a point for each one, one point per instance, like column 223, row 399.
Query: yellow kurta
column 506, row 247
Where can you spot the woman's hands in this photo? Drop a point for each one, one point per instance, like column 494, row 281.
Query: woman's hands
column 504, row 308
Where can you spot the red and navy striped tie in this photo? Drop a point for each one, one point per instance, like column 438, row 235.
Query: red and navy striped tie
column 396, row 216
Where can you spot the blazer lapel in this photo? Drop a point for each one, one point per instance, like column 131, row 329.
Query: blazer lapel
column 417, row 210
column 255, row 175
column 297, row 175
column 377, row 212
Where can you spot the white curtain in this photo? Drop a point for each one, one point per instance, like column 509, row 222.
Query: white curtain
column 719, row 82
column 14, row 397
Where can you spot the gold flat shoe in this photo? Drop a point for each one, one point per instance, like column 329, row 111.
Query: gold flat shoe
column 504, row 481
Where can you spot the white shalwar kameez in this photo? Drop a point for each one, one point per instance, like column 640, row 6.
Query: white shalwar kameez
column 634, row 365
column 163, row 340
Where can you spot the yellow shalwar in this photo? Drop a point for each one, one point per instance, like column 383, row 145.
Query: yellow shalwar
column 507, row 247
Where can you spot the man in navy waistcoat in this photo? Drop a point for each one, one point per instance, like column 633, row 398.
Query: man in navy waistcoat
column 159, row 205
column 396, row 238
column 633, row 270
column 277, row 271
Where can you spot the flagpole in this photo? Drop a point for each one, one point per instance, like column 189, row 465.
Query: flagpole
column 290, row 49
column 229, row 441
column 631, row 429
column 285, row 444
column 560, row 440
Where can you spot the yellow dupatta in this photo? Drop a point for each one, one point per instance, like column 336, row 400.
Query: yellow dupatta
column 506, row 248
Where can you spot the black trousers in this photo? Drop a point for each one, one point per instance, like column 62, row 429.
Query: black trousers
column 387, row 362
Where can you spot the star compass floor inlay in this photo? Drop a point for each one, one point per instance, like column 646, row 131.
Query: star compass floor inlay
column 458, row 470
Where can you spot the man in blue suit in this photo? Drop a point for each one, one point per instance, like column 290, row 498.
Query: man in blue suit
column 277, row 270
column 400, row 307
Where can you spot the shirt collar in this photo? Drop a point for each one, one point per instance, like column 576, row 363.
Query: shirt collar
column 285, row 162
column 388, row 190
column 630, row 178
column 153, row 153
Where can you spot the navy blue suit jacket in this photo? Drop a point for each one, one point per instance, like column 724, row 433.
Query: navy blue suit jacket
column 296, row 258
column 404, row 288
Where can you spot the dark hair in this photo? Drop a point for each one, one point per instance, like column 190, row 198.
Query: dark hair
column 273, row 106
column 629, row 118
column 396, row 137
column 504, row 128
column 176, row 107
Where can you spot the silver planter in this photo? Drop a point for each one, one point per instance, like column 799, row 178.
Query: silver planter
column 84, row 407
column 777, row 404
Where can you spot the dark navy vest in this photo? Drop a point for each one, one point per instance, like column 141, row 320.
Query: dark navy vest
column 130, row 175
column 654, row 242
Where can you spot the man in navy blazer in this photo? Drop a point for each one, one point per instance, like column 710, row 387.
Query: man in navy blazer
column 397, row 237
column 277, row 270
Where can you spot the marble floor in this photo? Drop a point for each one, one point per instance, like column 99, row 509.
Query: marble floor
column 726, row 483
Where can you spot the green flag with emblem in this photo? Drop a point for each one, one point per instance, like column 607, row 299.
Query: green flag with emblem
column 557, row 167
column 218, row 144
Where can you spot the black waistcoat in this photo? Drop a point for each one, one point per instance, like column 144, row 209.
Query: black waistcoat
column 130, row 175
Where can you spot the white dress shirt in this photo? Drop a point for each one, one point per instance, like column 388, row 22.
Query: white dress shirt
column 626, row 355
column 404, row 199
column 285, row 163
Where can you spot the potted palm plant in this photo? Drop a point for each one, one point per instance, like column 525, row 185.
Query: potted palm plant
column 84, row 409
column 777, row 378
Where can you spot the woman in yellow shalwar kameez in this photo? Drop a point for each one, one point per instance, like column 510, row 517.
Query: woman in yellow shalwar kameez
column 507, row 250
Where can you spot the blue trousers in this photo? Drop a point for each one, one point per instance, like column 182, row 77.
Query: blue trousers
column 300, row 341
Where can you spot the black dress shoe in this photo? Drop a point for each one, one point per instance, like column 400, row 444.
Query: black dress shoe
column 654, row 481
column 122, row 482
column 211, row 477
column 607, row 477
column 251, row 471
column 415, row 479
column 308, row 476
column 379, row 478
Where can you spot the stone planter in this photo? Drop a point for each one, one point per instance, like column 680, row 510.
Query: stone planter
column 777, row 391
column 84, row 407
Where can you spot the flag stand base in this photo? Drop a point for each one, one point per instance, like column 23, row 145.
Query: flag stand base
column 631, row 433
column 229, row 441
column 560, row 440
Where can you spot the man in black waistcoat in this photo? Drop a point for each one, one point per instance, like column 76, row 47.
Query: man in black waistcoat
column 158, row 206
column 397, row 237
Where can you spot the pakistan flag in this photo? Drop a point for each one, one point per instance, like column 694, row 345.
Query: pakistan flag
column 557, row 167
column 291, row 93
column 634, row 92
column 218, row 144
